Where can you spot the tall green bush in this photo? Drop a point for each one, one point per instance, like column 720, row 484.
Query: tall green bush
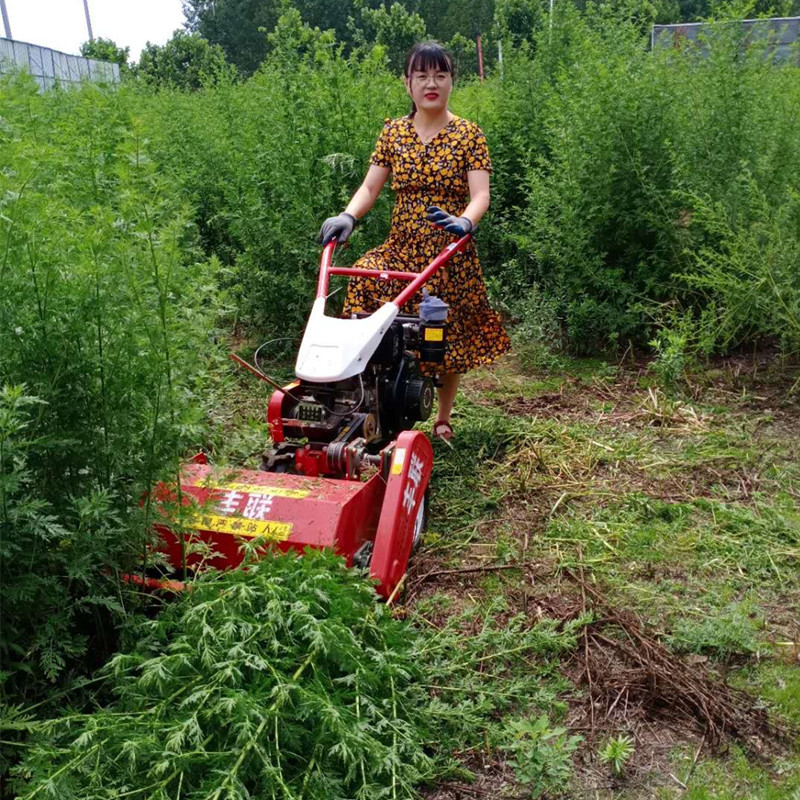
column 750, row 278
column 604, row 143
column 601, row 148
column 105, row 314
column 264, row 163
column 186, row 61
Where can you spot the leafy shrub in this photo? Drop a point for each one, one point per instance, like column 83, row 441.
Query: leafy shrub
column 594, row 217
column 186, row 61
column 538, row 333
column 750, row 276
column 287, row 677
column 671, row 347
column 396, row 29
column 465, row 55
column 107, row 50
column 600, row 160
column 263, row 164
column 542, row 756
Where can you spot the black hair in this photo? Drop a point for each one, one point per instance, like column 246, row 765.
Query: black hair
column 424, row 56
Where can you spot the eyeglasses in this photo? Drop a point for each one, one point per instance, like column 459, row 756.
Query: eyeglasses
column 421, row 78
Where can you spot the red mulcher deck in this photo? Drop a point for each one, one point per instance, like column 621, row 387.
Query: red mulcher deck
column 295, row 512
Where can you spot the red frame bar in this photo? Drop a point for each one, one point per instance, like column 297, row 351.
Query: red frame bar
column 384, row 275
column 154, row 583
column 417, row 279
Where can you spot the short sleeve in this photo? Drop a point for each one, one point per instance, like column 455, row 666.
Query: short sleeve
column 477, row 151
column 382, row 154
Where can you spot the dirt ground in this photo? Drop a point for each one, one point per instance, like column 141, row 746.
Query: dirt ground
column 670, row 516
column 577, row 451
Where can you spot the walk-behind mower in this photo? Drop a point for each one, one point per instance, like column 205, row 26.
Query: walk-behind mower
column 346, row 471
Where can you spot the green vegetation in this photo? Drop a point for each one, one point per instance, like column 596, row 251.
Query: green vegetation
column 186, row 61
column 681, row 511
column 640, row 199
column 290, row 676
column 285, row 677
column 105, row 317
column 639, row 196
column 235, row 25
column 616, row 752
column 106, row 50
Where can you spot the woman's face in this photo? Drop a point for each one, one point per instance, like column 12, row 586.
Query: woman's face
column 429, row 89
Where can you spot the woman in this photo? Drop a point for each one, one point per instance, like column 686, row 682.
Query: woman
column 440, row 170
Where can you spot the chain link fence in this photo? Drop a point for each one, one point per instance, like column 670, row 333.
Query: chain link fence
column 51, row 67
column 779, row 34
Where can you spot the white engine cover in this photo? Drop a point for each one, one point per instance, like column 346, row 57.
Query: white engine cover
column 334, row 349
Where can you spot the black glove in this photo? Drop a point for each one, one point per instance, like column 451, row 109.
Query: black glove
column 460, row 226
column 340, row 226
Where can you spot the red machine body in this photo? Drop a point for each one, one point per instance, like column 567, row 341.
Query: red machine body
column 344, row 473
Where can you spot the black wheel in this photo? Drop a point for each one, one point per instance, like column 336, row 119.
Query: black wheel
column 419, row 399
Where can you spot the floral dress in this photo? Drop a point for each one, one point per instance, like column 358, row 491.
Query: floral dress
column 423, row 175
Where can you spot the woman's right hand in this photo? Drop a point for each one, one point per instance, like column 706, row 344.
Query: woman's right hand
column 340, row 226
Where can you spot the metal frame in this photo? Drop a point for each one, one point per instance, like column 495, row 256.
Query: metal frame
column 417, row 279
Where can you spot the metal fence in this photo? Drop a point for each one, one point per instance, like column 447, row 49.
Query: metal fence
column 779, row 35
column 51, row 68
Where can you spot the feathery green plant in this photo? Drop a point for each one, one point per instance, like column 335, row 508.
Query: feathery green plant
column 106, row 313
column 286, row 679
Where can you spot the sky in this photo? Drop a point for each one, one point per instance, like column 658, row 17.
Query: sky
column 61, row 24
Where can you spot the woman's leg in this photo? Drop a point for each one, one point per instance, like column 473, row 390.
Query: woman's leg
column 447, row 396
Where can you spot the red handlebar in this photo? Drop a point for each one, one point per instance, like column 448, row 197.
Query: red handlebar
column 417, row 279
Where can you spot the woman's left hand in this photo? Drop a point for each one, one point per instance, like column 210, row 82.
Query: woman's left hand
column 460, row 226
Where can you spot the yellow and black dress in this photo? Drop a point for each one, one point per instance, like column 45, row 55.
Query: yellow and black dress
column 423, row 175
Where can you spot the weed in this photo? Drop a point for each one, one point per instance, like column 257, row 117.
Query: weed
column 106, row 316
column 541, row 755
column 285, row 677
column 616, row 752
column 671, row 356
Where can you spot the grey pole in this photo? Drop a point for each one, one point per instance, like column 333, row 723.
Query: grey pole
column 500, row 56
column 88, row 19
column 6, row 23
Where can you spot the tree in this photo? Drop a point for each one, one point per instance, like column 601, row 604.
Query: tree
column 239, row 27
column 327, row 15
column 446, row 18
column 187, row 61
column 107, row 50
column 517, row 20
column 396, row 29
column 294, row 41
column 465, row 55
